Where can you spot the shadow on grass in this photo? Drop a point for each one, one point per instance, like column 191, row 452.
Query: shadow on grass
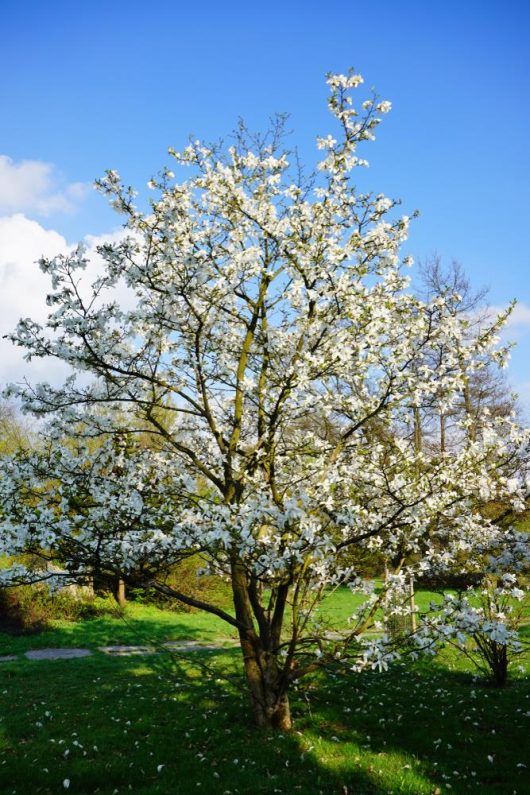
column 137, row 625
column 136, row 726
column 179, row 724
column 445, row 727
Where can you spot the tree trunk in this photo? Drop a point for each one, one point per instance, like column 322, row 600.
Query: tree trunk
column 472, row 430
column 442, row 432
column 418, row 433
column 499, row 666
column 268, row 689
column 268, row 695
column 412, row 602
column 119, row 592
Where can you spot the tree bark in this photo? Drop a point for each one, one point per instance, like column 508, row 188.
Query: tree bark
column 267, row 686
column 268, row 695
column 418, row 434
column 412, row 602
column 119, row 592
column 442, row 432
column 500, row 675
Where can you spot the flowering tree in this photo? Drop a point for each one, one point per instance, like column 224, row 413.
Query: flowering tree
column 271, row 358
column 483, row 623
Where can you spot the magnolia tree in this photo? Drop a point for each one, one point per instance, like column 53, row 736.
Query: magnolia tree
column 483, row 624
column 248, row 407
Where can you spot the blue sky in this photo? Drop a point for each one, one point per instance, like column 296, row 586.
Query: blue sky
column 96, row 85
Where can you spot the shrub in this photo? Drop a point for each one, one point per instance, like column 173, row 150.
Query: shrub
column 26, row 609
column 452, row 580
column 484, row 625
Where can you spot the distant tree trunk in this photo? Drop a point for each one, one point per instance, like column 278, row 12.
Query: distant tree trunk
column 418, row 436
column 119, row 592
column 387, row 623
column 413, row 623
column 468, row 403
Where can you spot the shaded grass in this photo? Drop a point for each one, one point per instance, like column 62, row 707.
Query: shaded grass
column 178, row 724
column 136, row 624
column 108, row 725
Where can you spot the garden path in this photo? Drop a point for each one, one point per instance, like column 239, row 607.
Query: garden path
column 116, row 651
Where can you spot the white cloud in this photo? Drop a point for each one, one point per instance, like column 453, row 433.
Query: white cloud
column 522, row 390
column 33, row 186
column 23, row 290
column 519, row 318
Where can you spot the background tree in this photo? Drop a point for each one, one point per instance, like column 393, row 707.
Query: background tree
column 14, row 433
column 273, row 323
column 485, row 388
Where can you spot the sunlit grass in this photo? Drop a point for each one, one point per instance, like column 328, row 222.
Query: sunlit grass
column 108, row 724
column 177, row 724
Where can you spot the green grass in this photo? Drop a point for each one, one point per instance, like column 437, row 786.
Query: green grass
column 137, row 624
column 109, row 724
column 144, row 624
column 337, row 608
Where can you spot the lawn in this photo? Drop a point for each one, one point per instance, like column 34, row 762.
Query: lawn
column 138, row 624
column 171, row 724
column 146, row 624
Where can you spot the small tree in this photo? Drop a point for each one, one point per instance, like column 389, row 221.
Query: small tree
column 482, row 624
column 273, row 323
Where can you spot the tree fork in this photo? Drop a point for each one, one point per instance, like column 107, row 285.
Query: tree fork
column 267, row 685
